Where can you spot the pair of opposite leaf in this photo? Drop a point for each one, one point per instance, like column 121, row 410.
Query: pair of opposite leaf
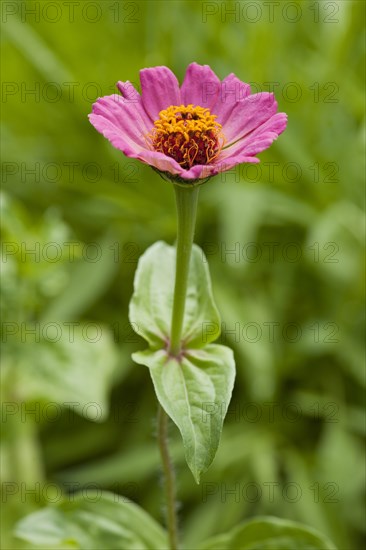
column 194, row 388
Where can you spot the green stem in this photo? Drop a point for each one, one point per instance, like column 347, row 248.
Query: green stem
column 169, row 479
column 186, row 200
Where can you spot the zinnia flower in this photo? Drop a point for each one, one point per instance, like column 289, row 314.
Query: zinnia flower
column 192, row 132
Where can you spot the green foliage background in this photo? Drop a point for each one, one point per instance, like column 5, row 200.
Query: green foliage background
column 292, row 443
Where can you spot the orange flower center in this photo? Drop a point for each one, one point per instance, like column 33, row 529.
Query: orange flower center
column 190, row 135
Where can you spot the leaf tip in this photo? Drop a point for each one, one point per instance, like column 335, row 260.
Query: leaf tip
column 196, row 475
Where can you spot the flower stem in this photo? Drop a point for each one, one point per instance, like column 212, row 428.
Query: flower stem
column 186, row 200
column 169, row 478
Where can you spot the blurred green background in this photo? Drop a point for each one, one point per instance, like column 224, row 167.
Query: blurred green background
column 290, row 291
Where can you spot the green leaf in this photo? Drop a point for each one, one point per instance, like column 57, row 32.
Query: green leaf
column 152, row 302
column 93, row 521
column 77, row 295
column 269, row 533
column 74, row 370
column 195, row 391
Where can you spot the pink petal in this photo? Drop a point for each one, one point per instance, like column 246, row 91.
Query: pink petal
column 248, row 115
column 160, row 161
column 124, row 123
column 254, row 143
column 223, row 165
column 167, row 164
column 125, row 142
column 119, row 140
column 200, row 86
column 232, row 91
column 128, row 91
column 201, row 171
column 160, row 89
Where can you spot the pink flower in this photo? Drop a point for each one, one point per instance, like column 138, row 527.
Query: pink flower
column 191, row 132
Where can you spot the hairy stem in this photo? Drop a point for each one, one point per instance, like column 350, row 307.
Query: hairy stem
column 169, row 479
